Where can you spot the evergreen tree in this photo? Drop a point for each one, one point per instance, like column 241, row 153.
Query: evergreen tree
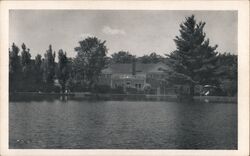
column 63, row 69
column 194, row 60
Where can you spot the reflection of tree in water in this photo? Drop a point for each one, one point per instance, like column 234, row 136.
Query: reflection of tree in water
column 202, row 126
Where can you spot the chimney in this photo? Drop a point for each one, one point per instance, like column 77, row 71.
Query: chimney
column 133, row 66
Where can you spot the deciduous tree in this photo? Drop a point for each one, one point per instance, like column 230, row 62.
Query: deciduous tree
column 25, row 62
column 151, row 58
column 228, row 73
column 38, row 73
column 90, row 60
column 49, row 67
column 63, row 69
column 122, row 57
column 14, row 67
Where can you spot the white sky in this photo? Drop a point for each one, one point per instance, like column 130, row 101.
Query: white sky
column 139, row 32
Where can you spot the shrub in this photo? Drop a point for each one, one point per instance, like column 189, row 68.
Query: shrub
column 117, row 90
column 101, row 89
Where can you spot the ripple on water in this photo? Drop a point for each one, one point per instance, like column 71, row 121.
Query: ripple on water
column 122, row 125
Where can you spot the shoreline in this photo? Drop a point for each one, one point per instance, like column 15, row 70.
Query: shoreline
column 116, row 97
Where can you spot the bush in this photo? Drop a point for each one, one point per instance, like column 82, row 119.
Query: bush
column 131, row 90
column 118, row 90
column 101, row 89
column 48, row 88
column 56, row 89
column 77, row 87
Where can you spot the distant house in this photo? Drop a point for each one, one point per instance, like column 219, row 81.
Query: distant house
column 135, row 75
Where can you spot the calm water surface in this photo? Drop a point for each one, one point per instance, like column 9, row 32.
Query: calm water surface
column 122, row 125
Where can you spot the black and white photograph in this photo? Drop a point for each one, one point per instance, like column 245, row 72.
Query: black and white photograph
column 122, row 79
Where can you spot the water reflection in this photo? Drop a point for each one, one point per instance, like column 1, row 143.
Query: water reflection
column 122, row 125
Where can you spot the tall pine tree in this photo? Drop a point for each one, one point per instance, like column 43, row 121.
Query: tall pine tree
column 194, row 60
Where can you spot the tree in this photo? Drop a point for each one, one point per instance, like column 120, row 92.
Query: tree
column 228, row 73
column 194, row 60
column 72, row 76
column 14, row 61
column 122, row 57
column 63, row 69
column 49, row 67
column 14, row 68
column 227, row 66
column 90, row 60
column 38, row 71
column 25, row 61
column 27, row 82
column 151, row 58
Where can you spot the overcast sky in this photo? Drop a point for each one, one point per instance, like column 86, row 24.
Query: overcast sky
column 139, row 32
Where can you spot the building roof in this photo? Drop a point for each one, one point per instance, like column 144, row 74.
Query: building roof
column 140, row 68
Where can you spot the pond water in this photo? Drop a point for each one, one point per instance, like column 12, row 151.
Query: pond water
column 122, row 125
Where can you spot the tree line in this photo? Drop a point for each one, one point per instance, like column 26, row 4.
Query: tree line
column 194, row 62
column 80, row 73
column 26, row 74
